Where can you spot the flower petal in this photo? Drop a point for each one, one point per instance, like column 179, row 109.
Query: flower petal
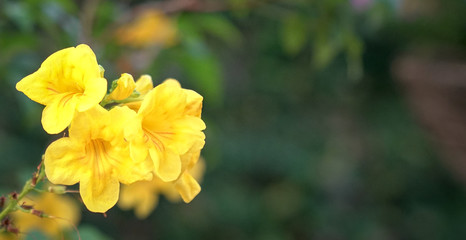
column 167, row 95
column 93, row 93
column 57, row 115
column 138, row 151
column 144, row 84
column 35, row 87
column 188, row 131
column 99, row 192
column 193, row 103
column 134, row 134
column 146, row 206
column 188, row 187
column 167, row 164
column 129, row 171
column 89, row 123
column 79, row 66
column 122, row 119
column 191, row 158
column 139, row 195
column 38, row 86
column 63, row 161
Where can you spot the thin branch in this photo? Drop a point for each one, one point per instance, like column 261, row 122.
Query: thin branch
column 15, row 198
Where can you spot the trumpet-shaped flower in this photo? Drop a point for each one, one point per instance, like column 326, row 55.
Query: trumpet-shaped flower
column 63, row 211
column 96, row 155
column 169, row 126
column 67, row 80
column 143, row 195
column 125, row 87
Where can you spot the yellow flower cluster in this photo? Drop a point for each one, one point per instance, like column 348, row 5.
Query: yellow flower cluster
column 148, row 131
column 143, row 195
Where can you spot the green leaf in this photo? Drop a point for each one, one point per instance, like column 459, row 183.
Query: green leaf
column 220, row 27
column 198, row 62
column 18, row 12
column 240, row 8
column 216, row 25
column 324, row 51
column 354, row 50
column 204, row 70
column 294, row 34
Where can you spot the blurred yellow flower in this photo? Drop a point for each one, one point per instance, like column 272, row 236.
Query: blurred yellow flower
column 151, row 27
column 167, row 129
column 96, row 155
column 143, row 86
column 67, row 80
column 8, row 236
column 125, row 87
column 63, row 210
column 143, row 195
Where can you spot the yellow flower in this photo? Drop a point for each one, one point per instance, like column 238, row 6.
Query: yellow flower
column 96, row 155
column 125, row 87
column 151, row 27
column 8, row 236
column 143, row 86
column 166, row 129
column 63, row 210
column 143, row 195
column 67, row 80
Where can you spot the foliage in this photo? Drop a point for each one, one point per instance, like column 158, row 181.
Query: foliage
column 308, row 136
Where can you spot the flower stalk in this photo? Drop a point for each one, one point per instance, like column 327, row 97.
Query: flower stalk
column 107, row 100
column 14, row 198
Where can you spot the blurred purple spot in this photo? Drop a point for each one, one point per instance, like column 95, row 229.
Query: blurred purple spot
column 360, row 5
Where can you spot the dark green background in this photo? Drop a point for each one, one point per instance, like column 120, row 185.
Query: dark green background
column 309, row 135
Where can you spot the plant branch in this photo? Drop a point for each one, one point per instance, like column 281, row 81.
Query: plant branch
column 15, row 198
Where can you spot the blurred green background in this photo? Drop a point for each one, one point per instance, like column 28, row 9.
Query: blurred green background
column 329, row 119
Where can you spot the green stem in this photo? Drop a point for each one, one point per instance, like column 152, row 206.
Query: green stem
column 107, row 100
column 28, row 187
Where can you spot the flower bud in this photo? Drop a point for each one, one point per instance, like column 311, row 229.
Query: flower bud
column 124, row 87
column 14, row 195
column 144, row 84
column 58, row 189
